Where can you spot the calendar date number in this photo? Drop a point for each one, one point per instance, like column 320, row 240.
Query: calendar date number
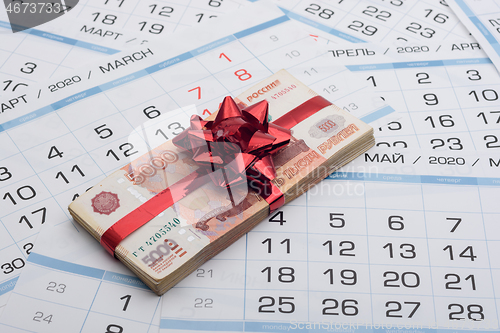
column 395, row 307
column 59, row 288
column 324, row 13
column 203, row 303
column 10, row 267
column 347, row 307
column 285, row 304
column 41, row 317
column 474, row 312
column 25, row 193
column 405, row 279
column 5, row 174
column 113, row 328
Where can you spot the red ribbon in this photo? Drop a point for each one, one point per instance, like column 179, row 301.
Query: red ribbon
column 239, row 143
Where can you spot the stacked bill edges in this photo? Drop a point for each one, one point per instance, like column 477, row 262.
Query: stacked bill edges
column 196, row 228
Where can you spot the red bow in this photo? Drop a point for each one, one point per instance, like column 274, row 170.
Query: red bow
column 239, row 142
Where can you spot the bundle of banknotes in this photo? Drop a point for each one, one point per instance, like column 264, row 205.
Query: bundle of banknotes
column 193, row 228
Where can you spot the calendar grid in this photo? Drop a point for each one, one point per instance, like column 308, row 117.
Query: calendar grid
column 63, row 39
column 129, row 113
column 90, row 307
column 211, row 75
column 88, row 93
column 334, row 32
column 354, row 234
column 331, row 31
column 377, row 21
column 37, row 176
column 412, row 16
column 70, row 51
column 476, row 20
column 184, row 13
column 246, row 48
column 103, row 276
column 402, row 18
column 441, row 79
column 257, row 325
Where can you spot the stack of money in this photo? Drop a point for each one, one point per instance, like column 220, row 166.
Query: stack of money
column 179, row 238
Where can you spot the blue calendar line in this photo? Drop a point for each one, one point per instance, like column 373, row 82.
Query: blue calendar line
column 216, row 326
column 322, row 27
column 479, row 25
column 382, row 177
column 131, row 77
column 64, row 40
column 8, row 285
column 419, row 64
column 378, row 114
column 81, row 270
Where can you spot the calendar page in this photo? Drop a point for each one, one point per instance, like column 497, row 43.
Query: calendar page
column 393, row 242
column 89, row 32
column 79, row 128
column 69, row 286
column 447, row 94
column 150, row 19
column 483, row 20
column 391, row 21
column 36, row 54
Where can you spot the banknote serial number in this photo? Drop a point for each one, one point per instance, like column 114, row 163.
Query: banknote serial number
column 34, row 8
column 283, row 91
column 159, row 234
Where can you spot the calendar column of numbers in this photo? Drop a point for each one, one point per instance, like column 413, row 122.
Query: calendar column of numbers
column 461, row 276
column 339, row 274
column 26, row 204
column 277, row 267
column 399, row 260
column 434, row 110
column 478, row 91
column 400, row 132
